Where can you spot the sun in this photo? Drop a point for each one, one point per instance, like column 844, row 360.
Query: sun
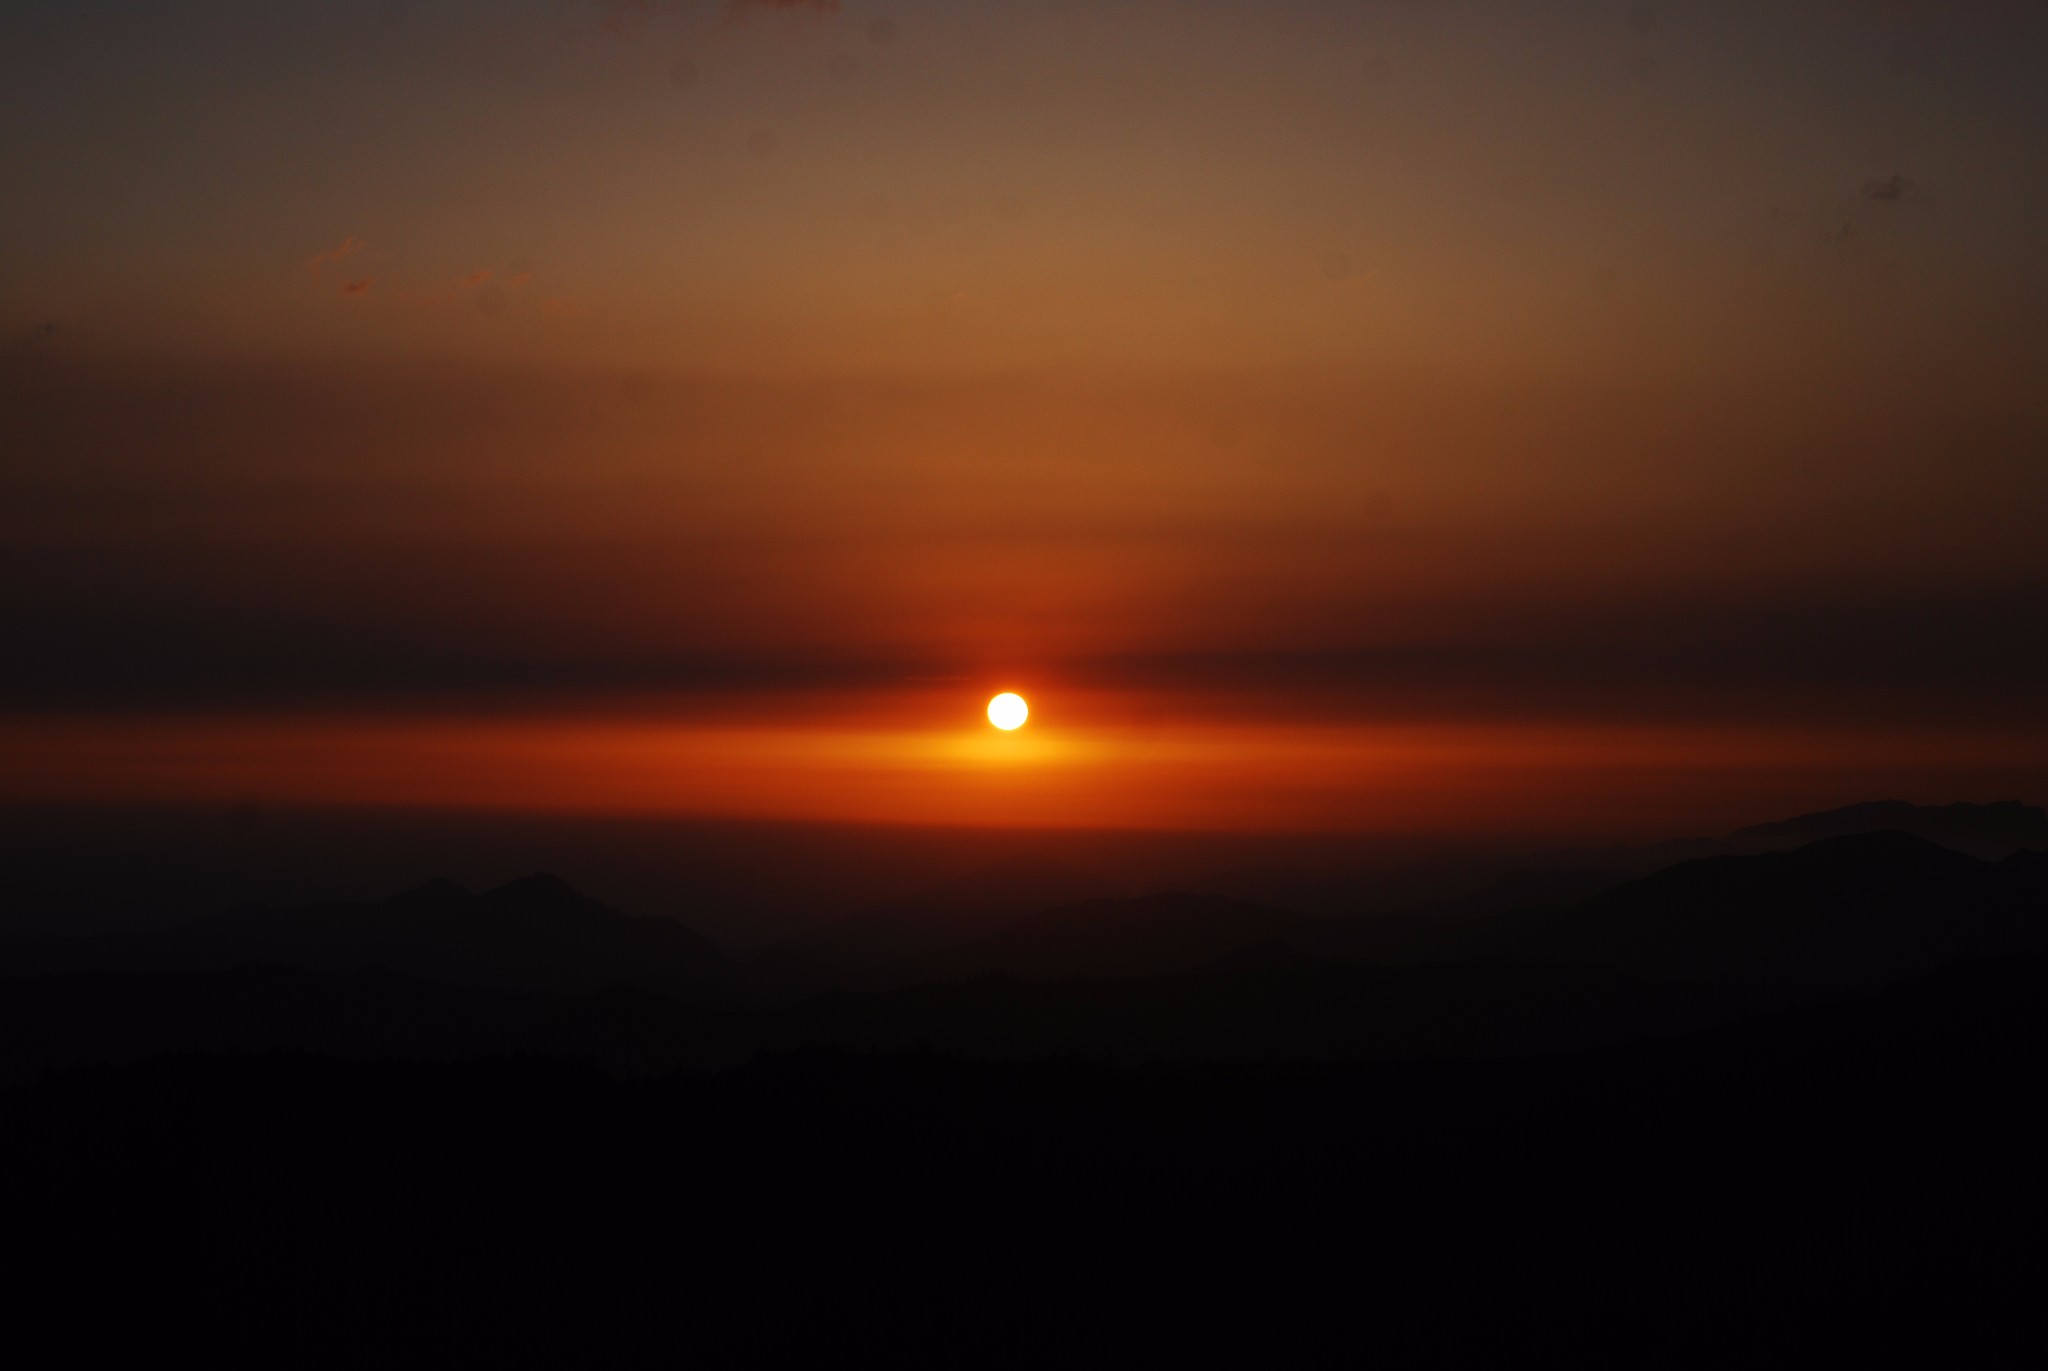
column 1008, row 711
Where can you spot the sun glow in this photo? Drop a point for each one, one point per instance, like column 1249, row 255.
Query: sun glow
column 1008, row 711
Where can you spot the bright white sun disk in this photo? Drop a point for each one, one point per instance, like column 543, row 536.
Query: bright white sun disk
column 1007, row 711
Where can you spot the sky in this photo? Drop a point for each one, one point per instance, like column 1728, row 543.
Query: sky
column 1575, row 416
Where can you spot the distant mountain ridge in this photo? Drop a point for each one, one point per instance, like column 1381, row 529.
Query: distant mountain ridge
column 1153, row 935
column 1989, row 831
column 50, row 895
column 1848, row 913
column 1856, row 911
column 535, row 967
column 1483, row 886
column 1856, row 908
column 99, row 1017
column 534, row 933
column 878, row 944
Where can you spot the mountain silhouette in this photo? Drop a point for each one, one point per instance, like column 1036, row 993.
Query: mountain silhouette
column 1990, row 831
column 1481, row 885
column 49, row 894
column 97, row 1018
column 533, row 933
column 1754, row 1108
column 996, row 961
column 1859, row 1181
column 1191, row 978
column 877, row 944
column 1850, row 912
column 1152, row 935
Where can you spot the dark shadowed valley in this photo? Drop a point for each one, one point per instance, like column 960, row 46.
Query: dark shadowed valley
column 1769, row 1103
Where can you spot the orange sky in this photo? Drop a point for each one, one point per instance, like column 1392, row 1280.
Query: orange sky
column 1653, row 385
column 1555, row 782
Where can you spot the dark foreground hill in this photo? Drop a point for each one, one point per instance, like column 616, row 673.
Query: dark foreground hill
column 1767, row 1109
column 1853, row 1185
column 1267, row 1007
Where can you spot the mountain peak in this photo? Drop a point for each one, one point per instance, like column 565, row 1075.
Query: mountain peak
column 539, row 887
column 436, row 891
column 1990, row 831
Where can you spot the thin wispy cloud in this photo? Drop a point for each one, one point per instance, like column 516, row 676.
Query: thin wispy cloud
column 41, row 336
column 625, row 18
column 349, row 247
column 738, row 9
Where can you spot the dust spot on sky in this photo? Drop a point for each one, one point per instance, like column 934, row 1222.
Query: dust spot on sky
column 738, row 8
column 1342, row 266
